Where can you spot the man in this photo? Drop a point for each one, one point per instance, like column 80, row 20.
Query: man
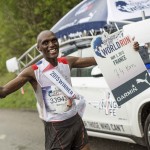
column 143, row 51
column 64, row 128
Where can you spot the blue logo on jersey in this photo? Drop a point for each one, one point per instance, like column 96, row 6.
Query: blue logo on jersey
column 39, row 62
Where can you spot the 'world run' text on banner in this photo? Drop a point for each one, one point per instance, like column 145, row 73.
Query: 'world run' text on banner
column 121, row 65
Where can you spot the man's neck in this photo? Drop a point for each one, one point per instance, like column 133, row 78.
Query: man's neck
column 53, row 62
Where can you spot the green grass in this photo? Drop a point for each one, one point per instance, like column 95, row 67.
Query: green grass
column 17, row 100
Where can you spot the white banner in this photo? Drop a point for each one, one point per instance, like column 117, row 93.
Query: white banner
column 139, row 30
column 119, row 10
column 121, row 65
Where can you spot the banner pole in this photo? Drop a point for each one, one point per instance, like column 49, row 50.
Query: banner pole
column 143, row 15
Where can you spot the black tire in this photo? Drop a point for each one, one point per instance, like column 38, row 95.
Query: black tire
column 147, row 132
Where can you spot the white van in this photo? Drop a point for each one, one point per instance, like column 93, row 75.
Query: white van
column 103, row 118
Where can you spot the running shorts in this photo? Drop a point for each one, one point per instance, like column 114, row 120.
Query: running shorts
column 69, row 134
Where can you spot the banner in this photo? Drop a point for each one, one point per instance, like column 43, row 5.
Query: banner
column 136, row 30
column 87, row 15
column 121, row 65
column 119, row 10
column 95, row 14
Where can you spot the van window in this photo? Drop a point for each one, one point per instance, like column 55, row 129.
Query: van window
column 74, row 72
column 86, row 72
column 70, row 52
column 82, row 72
column 87, row 52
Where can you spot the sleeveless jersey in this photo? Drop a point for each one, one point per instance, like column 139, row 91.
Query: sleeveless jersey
column 47, row 88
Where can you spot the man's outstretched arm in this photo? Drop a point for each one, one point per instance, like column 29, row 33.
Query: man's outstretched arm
column 16, row 83
column 81, row 62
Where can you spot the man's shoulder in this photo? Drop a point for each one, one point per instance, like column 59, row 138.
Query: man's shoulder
column 27, row 72
column 62, row 60
column 36, row 65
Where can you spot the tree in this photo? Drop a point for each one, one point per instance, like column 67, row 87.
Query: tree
column 22, row 20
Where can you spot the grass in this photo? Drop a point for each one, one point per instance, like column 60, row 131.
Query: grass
column 17, row 100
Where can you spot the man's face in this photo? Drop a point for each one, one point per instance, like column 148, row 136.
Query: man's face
column 48, row 45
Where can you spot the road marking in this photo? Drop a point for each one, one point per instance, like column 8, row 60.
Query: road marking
column 2, row 136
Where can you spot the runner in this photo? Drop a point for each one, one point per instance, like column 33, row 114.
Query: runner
column 56, row 100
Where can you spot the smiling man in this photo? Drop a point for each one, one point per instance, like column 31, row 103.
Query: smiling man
column 50, row 79
column 56, row 100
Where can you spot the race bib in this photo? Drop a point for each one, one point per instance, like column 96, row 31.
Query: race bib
column 55, row 101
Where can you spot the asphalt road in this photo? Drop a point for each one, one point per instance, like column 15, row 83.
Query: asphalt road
column 23, row 130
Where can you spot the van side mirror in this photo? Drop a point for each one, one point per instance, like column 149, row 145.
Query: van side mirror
column 96, row 72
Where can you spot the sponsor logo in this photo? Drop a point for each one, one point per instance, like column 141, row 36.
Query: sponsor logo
column 132, row 6
column 96, row 44
column 127, row 93
column 84, row 8
column 145, row 80
column 104, row 45
column 109, row 105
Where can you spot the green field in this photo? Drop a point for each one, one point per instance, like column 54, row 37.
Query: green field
column 17, row 100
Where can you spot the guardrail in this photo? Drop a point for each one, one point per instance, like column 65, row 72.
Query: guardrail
column 32, row 55
column 29, row 57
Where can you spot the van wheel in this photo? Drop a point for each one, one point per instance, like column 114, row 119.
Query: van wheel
column 147, row 132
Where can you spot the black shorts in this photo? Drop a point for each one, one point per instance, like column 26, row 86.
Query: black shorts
column 65, row 135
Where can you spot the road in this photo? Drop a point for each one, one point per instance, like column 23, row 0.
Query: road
column 23, row 130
